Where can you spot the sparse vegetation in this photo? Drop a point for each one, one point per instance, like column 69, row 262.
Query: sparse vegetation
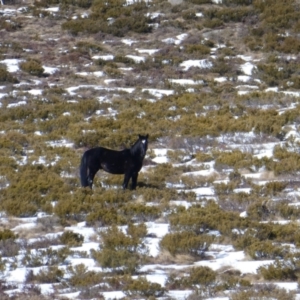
column 119, row 70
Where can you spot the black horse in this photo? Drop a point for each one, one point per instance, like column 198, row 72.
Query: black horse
column 127, row 161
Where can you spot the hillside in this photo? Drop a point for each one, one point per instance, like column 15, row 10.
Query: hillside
column 216, row 86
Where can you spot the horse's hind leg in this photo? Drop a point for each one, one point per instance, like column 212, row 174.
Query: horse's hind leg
column 90, row 177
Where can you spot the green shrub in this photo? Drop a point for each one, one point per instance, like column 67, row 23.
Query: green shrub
column 71, row 239
column 231, row 280
column 36, row 184
column 158, row 177
column 263, row 291
column 104, row 216
column 204, row 157
column 125, row 18
column 186, row 242
column 75, row 206
column 51, row 274
column 33, row 67
column 280, row 270
column 235, row 159
column 202, row 275
column 7, row 234
column 120, row 252
column 202, row 279
column 140, row 212
column 261, row 250
column 5, row 76
column 213, row 23
column 274, row 187
column 201, row 219
column 47, row 257
column 141, row 287
column 189, row 14
column 286, row 161
column 287, row 211
column 81, row 277
column 198, row 49
column 262, row 239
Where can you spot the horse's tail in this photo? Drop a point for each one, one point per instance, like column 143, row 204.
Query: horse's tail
column 84, row 171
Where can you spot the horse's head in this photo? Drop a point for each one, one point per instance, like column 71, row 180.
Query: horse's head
column 143, row 144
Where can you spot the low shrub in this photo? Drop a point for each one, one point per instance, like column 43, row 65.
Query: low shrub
column 263, row 291
column 104, row 216
column 71, row 239
column 282, row 270
column 213, row 23
column 197, row 50
column 120, row 252
column 199, row 220
column 32, row 182
column 5, row 76
column 236, row 159
column 124, row 18
column 231, row 280
column 33, row 67
column 285, row 161
column 261, row 250
column 47, row 257
column 135, row 212
column 81, row 277
column 263, row 239
column 51, row 274
column 7, row 234
column 141, row 287
column 201, row 279
column 186, row 242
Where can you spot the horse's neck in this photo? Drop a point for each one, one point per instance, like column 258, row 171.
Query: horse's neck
column 137, row 152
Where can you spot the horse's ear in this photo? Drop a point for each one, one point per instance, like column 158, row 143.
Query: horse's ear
column 147, row 135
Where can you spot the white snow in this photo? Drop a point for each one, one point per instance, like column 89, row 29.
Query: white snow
column 201, row 63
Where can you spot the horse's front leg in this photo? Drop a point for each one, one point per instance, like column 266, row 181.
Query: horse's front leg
column 134, row 178
column 126, row 180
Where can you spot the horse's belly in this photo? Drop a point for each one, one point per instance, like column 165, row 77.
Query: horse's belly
column 113, row 168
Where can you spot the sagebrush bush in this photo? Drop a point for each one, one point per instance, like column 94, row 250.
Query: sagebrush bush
column 71, row 239
column 43, row 257
column 263, row 291
column 124, row 18
column 186, row 242
column 34, row 182
column 280, row 270
column 201, row 279
column 5, row 76
column 261, row 250
column 33, row 67
column 80, row 276
column 141, row 287
column 120, row 252
column 7, row 234
column 51, row 274
column 211, row 217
